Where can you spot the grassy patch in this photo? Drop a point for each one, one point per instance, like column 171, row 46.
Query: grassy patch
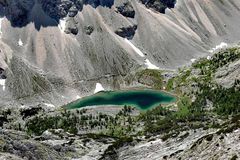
column 151, row 78
column 170, row 84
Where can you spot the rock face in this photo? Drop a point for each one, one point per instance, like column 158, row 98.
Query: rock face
column 2, row 74
column 127, row 32
column 71, row 26
column 89, row 30
column 18, row 11
column 229, row 75
column 18, row 146
column 159, row 5
column 126, row 9
column 197, row 145
column 67, row 46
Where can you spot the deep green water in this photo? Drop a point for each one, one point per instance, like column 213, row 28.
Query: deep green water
column 142, row 99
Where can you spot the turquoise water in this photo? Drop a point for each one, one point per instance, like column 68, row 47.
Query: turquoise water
column 141, row 99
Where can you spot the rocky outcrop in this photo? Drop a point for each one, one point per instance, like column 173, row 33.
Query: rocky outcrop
column 127, row 32
column 89, row 29
column 19, row 146
column 2, row 74
column 17, row 11
column 71, row 26
column 30, row 112
column 58, row 9
column 57, row 144
column 229, row 75
column 3, row 119
column 199, row 144
column 126, row 9
column 159, row 5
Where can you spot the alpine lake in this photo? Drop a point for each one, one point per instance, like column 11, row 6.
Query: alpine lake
column 144, row 99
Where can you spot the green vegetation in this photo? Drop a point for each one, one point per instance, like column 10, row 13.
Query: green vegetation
column 39, row 124
column 162, row 120
column 170, row 84
column 122, row 125
column 235, row 157
column 188, row 115
column 203, row 88
column 118, row 126
column 40, row 83
column 225, row 101
column 196, row 88
column 209, row 66
column 150, row 77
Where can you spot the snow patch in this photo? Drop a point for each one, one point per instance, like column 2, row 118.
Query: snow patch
column 148, row 144
column 193, row 60
column 209, row 57
column 141, row 54
column 62, row 25
column 23, row 106
column 98, row 88
column 150, row 65
column 2, row 83
column 56, row 142
column 47, row 133
column 138, row 51
column 78, row 97
column 20, row 43
column 49, row 105
column 220, row 46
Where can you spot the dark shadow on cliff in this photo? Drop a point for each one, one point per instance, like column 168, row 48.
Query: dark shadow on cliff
column 45, row 13
column 159, row 5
